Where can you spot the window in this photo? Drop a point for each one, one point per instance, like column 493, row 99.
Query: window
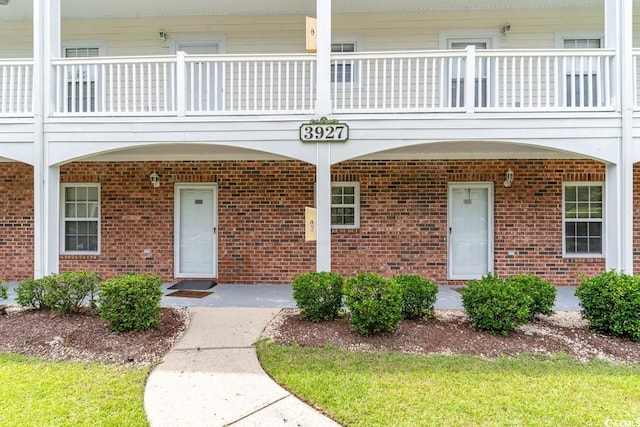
column 80, row 218
column 579, row 77
column 583, row 219
column 345, row 205
column 342, row 71
column 81, row 88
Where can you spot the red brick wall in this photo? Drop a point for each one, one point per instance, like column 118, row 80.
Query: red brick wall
column 260, row 217
column 636, row 218
column 16, row 221
column 403, row 217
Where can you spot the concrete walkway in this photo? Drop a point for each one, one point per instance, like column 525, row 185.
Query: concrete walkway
column 212, row 377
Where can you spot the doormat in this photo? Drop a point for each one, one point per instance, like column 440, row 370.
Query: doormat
column 189, row 294
column 194, row 285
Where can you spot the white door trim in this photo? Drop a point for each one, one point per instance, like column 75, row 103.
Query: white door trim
column 490, row 227
column 176, row 228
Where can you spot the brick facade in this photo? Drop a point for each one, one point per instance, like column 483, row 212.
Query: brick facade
column 403, row 217
column 16, row 224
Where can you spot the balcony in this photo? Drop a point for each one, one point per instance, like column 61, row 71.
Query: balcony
column 454, row 81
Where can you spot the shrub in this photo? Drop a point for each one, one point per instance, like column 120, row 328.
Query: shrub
column 59, row 292
column 541, row 291
column 611, row 303
column 4, row 291
column 67, row 291
column 496, row 305
column 31, row 293
column 375, row 303
column 130, row 302
column 318, row 295
column 418, row 296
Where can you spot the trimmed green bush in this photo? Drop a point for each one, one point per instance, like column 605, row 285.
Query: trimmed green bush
column 496, row 305
column 130, row 302
column 59, row 292
column 4, row 291
column 375, row 303
column 31, row 293
column 67, row 291
column 541, row 291
column 611, row 303
column 318, row 295
column 418, row 296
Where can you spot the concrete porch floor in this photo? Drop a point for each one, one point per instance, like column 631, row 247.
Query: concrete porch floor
column 281, row 296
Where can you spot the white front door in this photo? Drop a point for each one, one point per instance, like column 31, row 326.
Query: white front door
column 470, row 220
column 195, row 231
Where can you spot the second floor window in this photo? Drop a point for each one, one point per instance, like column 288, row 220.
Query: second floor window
column 342, row 71
column 581, row 79
column 81, row 85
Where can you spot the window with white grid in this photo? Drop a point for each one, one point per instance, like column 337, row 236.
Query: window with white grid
column 345, row 205
column 342, row 71
column 583, row 219
column 80, row 218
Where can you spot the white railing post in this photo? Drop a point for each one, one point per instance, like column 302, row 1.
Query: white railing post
column 470, row 80
column 181, row 84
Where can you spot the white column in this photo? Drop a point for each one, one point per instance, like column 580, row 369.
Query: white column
column 46, row 45
column 323, row 158
column 619, row 187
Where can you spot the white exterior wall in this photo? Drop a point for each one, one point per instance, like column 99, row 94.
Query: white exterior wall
column 259, row 34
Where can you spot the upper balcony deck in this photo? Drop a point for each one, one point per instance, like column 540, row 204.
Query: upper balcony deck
column 451, row 81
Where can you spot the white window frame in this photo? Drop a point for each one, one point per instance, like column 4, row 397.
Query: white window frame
column 357, row 47
column 560, row 38
column 602, row 220
column 64, row 219
column 84, row 74
column 356, row 205
column 447, row 39
column 175, row 41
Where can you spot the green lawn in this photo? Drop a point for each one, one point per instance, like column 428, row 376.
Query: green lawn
column 370, row 389
column 37, row 393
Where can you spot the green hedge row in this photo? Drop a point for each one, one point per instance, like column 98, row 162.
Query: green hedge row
column 130, row 302
column 376, row 304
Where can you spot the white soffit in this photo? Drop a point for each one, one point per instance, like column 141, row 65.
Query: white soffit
column 82, row 9
column 469, row 150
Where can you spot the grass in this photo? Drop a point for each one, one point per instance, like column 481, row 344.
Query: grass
column 38, row 393
column 391, row 389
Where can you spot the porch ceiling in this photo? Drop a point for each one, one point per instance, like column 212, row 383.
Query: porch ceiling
column 469, row 150
column 183, row 152
column 81, row 9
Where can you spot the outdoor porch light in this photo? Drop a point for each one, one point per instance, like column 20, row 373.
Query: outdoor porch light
column 155, row 179
column 508, row 177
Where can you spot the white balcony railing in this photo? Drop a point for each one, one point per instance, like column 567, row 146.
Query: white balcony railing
column 16, row 88
column 185, row 85
column 482, row 80
column 426, row 81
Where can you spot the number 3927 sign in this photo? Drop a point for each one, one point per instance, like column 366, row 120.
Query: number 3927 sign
column 324, row 130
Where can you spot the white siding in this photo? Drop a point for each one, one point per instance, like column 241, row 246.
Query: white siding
column 256, row 34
